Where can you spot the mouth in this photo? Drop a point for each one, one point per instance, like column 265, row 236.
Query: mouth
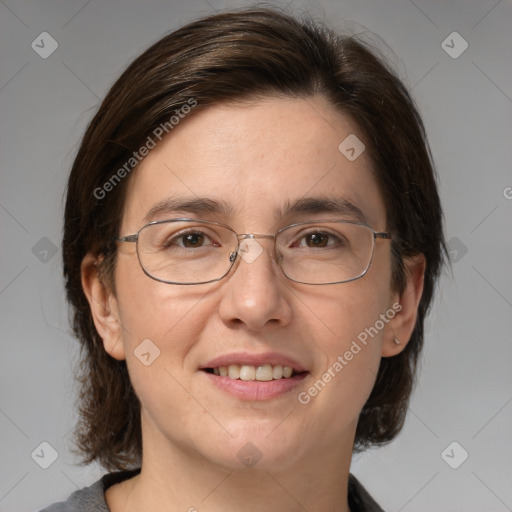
column 261, row 373
column 255, row 377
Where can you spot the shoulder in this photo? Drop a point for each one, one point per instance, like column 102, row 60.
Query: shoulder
column 359, row 500
column 92, row 498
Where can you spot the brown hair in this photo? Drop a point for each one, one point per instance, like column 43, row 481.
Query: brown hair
column 240, row 55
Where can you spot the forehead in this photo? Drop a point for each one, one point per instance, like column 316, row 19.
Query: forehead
column 254, row 160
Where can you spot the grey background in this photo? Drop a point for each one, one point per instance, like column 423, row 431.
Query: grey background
column 464, row 391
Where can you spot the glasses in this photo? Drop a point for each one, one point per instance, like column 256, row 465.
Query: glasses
column 190, row 251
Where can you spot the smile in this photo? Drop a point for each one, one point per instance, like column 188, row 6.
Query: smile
column 251, row 377
column 262, row 373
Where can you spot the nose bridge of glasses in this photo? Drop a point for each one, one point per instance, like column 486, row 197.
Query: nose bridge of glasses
column 245, row 236
column 248, row 247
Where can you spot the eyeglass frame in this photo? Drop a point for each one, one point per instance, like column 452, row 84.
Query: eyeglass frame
column 134, row 238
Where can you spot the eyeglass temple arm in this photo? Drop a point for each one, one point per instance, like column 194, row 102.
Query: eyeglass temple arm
column 386, row 236
column 127, row 238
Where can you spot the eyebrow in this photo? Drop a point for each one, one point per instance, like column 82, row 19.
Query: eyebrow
column 308, row 205
column 322, row 204
column 189, row 204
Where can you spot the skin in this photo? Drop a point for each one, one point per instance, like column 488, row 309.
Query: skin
column 255, row 156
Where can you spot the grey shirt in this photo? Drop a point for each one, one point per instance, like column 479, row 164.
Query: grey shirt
column 92, row 499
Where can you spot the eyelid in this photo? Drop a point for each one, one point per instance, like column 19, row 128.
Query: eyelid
column 312, row 230
column 191, row 231
column 320, row 223
column 212, row 238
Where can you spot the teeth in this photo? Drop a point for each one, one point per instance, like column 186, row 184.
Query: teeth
column 277, row 371
column 234, row 371
column 247, row 372
column 265, row 372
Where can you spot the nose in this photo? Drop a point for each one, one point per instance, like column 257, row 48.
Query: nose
column 255, row 293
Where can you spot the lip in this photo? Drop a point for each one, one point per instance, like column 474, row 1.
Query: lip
column 256, row 390
column 246, row 358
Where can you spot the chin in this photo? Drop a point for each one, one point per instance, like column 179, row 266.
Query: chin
column 251, row 444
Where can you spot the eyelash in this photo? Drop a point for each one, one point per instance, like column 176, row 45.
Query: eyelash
column 177, row 239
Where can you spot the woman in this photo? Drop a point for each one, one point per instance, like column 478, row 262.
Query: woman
column 252, row 239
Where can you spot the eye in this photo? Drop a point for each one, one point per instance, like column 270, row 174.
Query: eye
column 316, row 239
column 319, row 239
column 191, row 240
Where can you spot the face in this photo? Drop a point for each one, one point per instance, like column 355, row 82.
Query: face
column 257, row 159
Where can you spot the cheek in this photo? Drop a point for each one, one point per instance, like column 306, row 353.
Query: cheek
column 160, row 326
column 356, row 331
column 158, row 319
column 346, row 373
column 148, row 308
column 351, row 324
column 351, row 312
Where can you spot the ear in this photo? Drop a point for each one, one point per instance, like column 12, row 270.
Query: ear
column 401, row 326
column 103, row 306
